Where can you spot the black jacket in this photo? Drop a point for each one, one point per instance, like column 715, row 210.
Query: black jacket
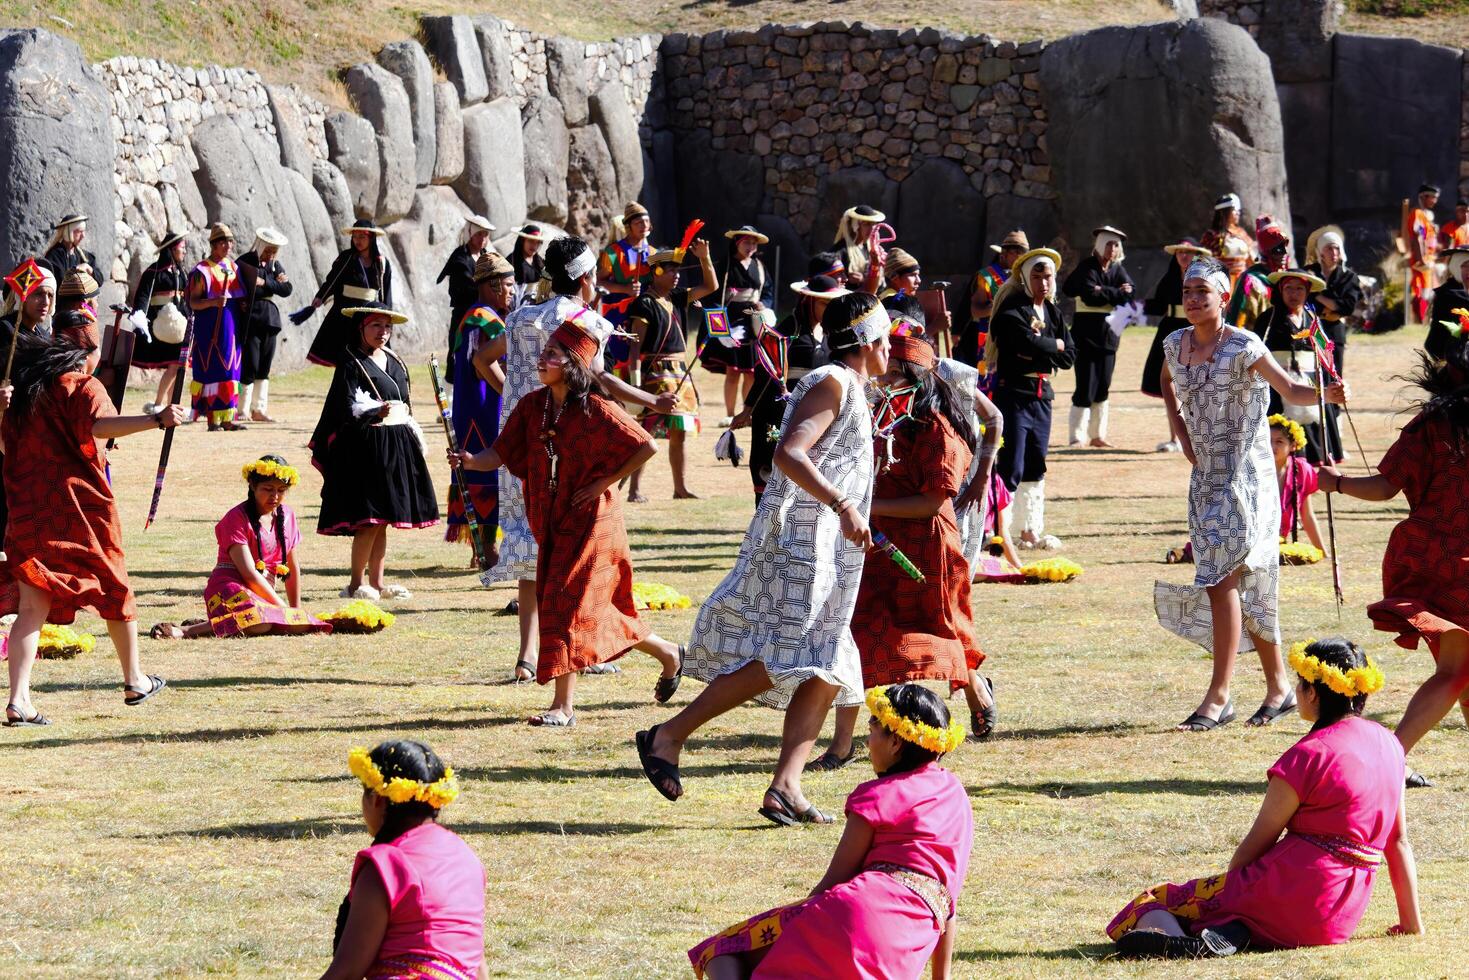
column 1023, row 352
column 263, row 283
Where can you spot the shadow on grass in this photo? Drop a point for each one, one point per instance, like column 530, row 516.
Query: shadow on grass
column 730, row 536
column 674, row 565
column 332, row 827
column 556, row 774
column 1062, row 731
column 204, row 682
column 408, row 725
column 1087, row 951
column 1183, row 787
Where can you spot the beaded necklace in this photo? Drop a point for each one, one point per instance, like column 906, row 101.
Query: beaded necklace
column 548, row 433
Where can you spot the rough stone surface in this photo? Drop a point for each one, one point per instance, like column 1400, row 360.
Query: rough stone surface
column 495, row 55
column 379, row 96
column 660, row 197
column 453, row 43
column 290, row 130
column 845, row 188
column 1006, row 212
column 938, row 200
column 410, row 63
column 448, row 134
column 316, row 222
column 56, row 147
column 547, row 145
column 566, row 77
column 493, row 182
column 422, row 241
column 1122, row 101
column 352, row 147
column 611, row 113
column 785, row 255
column 336, row 194
column 1305, row 114
column 724, row 189
column 591, row 185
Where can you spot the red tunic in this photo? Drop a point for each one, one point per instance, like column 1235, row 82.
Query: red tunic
column 584, row 569
column 63, row 536
column 1425, row 570
column 906, row 630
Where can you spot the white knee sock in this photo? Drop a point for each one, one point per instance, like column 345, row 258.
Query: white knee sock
column 262, row 394
column 1079, row 419
column 1098, row 427
column 1030, row 508
column 245, row 393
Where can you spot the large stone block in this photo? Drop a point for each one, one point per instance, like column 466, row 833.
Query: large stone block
column 612, row 114
column 591, row 185
column 660, row 194
column 724, row 189
column 847, row 188
column 493, row 182
column 547, row 148
column 448, row 134
column 1305, row 114
column 1296, row 37
column 410, row 63
column 785, row 255
column 1395, row 117
column 566, row 77
column 494, row 49
column 56, row 147
column 352, row 148
column 290, row 129
column 454, row 45
column 423, row 240
column 336, row 194
column 1006, row 212
column 1148, row 125
column 379, row 96
column 941, row 219
column 316, row 223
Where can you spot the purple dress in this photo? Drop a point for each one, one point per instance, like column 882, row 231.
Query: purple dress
column 215, row 357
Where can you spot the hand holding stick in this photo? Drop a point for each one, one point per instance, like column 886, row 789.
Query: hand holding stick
column 470, row 516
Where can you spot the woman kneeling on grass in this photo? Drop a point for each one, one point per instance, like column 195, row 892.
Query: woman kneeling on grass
column 1338, row 795
column 416, row 908
column 569, row 445
column 888, row 903
column 257, row 555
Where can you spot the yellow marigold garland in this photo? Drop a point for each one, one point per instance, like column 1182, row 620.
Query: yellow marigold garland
column 270, row 470
column 1051, row 570
column 940, row 740
column 63, row 642
column 1292, row 428
column 437, row 794
column 359, row 616
column 654, row 595
column 1300, row 553
column 1359, row 680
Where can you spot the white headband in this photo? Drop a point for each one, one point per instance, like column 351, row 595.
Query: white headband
column 581, row 265
column 1030, row 264
column 866, row 329
column 1210, row 273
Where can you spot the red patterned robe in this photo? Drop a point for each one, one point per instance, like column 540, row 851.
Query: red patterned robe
column 584, row 568
column 63, row 536
column 907, row 630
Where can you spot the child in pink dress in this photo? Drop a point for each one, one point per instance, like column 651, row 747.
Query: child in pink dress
column 257, row 542
column 416, row 909
column 888, row 903
column 1338, row 795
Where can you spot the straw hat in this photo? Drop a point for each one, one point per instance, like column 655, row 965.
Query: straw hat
column 70, row 219
column 862, row 212
column 819, row 287
column 531, row 233
column 746, row 231
column 632, row 212
column 1187, row 246
column 1013, row 239
column 1312, row 282
column 218, row 231
column 170, row 240
column 364, row 224
column 375, row 309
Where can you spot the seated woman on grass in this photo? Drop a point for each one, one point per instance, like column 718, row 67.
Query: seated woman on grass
column 888, row 903
column 257, row 555
column 1337, row 795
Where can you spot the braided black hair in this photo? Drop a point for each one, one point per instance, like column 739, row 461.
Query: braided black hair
column 1344, row 655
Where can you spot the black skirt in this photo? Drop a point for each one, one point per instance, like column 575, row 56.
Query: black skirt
column 1153, row 366
column 375, row 474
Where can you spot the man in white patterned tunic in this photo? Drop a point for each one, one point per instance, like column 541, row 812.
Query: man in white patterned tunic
column 573, row 268
column 1216, row 385
column 777, row 630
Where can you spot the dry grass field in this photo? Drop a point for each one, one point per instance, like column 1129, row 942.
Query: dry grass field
column 211, row 831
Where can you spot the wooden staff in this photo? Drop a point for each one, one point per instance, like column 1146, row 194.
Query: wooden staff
column 178, row 392
column 471, row 516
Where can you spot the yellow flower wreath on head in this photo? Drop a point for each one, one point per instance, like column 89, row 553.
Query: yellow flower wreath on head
column 1292, row 428
column 940, row 740
column 1366, row 679
column 270, row 470
column 437, row 794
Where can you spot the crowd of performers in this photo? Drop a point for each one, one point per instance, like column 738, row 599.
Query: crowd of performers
column 883, row 470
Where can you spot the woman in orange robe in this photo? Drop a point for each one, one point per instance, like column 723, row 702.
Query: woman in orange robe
column 63, row 543
column 570, row 446
column 908, row 630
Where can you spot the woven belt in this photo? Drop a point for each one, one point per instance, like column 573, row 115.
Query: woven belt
column 161, row 299
column 1346, row 850
column 360, row 293
column 743, row 295
column 931, row 890
column 1084, row 307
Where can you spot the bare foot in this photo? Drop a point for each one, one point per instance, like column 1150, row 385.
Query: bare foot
column 636, row 498
column 259, row 417
column 685, row 495
column 1100, row 443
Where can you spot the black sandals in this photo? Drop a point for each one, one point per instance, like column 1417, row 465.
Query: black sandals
column 1267, row 714
column 133, row 696
column 526, row 666
column 982, row 722
column 829, row 761
column 1203, row 723
column 1149, row 944
column 783, row 814
column 667, row 687
column 660, row 772
column 15, row 718
column 1416, row 780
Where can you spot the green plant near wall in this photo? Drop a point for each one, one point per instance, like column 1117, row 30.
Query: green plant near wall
column 1408, row 8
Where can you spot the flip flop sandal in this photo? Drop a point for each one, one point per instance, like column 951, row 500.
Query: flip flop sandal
column 829, row 761
column 164, row 631
column 982, row 722
column 1267, row 714
column 21, row 721
column 527, row 666
column 785, row 815
column 551, row 719
column 660, row 772
column 1416, row 780
column 155, row 684
column 1203, row 723
column 667, row 687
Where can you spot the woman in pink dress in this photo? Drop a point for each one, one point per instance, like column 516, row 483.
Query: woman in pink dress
column 888, row 903
column 1338, row 796
column 256, row 562
column 416, row 909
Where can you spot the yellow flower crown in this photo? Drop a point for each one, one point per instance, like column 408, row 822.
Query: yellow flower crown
column 437, row 794
column 1292, row 428
column 1349, row 684
column 940, row 740
column 269, row 470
